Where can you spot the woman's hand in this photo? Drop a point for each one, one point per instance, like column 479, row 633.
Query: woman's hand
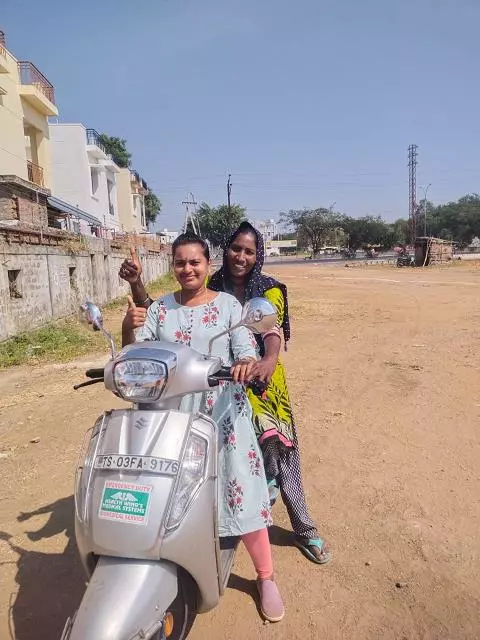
column 263, row 369
column 131, row 270
column 135, row 316
column 241, row 370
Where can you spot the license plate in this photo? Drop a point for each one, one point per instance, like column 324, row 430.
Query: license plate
column 159, row 466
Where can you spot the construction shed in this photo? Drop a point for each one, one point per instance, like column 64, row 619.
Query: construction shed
column 432, row 251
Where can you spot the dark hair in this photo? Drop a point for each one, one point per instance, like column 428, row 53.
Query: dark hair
column 190, row 238
column 245, row 228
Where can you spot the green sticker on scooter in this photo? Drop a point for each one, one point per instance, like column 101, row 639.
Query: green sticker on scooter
column 125, row 502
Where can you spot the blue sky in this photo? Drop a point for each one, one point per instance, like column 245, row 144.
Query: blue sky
column 305, row 102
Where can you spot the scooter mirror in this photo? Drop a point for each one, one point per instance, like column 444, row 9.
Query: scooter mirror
column 259, row 315
column 91, row 314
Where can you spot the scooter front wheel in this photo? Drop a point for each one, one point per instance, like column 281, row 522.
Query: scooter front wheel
column 181, row 614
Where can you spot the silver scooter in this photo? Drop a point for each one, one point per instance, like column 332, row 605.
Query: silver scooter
column 146, row 493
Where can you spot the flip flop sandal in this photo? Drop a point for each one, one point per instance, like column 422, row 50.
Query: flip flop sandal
column 303, row 544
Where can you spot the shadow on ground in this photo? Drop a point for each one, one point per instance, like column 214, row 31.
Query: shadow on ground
column 51, row 585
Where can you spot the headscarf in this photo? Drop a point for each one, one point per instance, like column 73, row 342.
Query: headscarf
column 257, row 283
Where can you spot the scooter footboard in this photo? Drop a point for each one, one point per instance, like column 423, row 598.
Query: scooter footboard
column 124, row 600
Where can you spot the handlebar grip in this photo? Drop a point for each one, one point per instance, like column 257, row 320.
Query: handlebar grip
column 95, row 373
column 258, row 387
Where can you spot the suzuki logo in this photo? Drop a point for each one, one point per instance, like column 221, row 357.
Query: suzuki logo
column 141, row 423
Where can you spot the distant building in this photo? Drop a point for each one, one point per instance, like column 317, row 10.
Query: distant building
column 131, row 192
column 27, row 99
column 268, row 228
column 84, row 174
column 166, row 236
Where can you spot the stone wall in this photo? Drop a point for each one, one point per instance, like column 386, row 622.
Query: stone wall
column 23, row 202
column 42, row 280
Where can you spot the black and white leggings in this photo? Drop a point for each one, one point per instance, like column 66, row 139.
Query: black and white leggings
column 284, row 466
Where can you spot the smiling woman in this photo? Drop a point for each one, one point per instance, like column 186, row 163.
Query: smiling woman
column 194, row 316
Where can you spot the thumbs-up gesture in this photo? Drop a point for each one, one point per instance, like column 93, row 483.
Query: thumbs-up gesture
column 135, row 316
column 131, row 269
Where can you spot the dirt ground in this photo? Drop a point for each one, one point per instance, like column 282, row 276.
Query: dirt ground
column 384, row 375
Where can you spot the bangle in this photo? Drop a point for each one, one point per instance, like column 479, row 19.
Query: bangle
column 141, row 304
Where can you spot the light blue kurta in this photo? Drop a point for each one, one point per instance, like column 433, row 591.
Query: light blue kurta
column 244, row 505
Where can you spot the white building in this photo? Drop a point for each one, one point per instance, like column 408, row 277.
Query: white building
column 268, row 228
column 166, row 236
column 83, row 174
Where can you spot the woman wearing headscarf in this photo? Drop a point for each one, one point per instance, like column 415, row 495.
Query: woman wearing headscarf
column 241, row 275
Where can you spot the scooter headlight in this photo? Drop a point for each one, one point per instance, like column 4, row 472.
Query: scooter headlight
column 140, row 380
column 191, row 478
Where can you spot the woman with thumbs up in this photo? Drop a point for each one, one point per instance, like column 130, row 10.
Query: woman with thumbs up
column 193, row 316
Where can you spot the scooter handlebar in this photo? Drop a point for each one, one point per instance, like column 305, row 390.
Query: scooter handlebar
column 95, row 373
column 258, row 387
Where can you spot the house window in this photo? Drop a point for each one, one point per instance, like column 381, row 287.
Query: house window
column 111, row 208
column 14, row 284
column 94, row 180
column 72, row 277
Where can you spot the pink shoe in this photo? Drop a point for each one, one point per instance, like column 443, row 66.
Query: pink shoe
column 271, row 603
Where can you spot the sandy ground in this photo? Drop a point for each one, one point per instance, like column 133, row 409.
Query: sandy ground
column 384, row 374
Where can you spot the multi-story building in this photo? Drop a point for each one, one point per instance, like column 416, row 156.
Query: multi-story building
column 27, row 99
column 131, row 192
column 166, row 236
column 268, row 228
column 83, row 173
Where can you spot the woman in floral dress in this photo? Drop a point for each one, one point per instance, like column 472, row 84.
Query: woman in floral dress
column 192, row 316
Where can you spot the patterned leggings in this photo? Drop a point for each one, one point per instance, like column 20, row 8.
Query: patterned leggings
column 284, row 465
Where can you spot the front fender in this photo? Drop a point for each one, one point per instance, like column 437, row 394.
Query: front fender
column 124, row 600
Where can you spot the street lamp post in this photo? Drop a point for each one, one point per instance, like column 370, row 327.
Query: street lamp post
column 425, row 191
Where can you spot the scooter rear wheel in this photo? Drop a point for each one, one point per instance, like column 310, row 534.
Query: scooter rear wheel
column 183, row 609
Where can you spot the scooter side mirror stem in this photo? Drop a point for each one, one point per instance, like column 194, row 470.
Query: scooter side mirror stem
column 90, row 314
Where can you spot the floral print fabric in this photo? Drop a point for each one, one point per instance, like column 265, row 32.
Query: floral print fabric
column 243, row 502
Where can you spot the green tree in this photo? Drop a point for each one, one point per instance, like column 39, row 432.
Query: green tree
column 117, row 148
column 368, row 230
column 218, row 223
column 152, row 207
column 313, row 226
column 459, row 221
column 401, row 231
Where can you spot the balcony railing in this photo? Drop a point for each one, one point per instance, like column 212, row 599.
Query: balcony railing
column 135, row 177
column 93, row 138
column 35, row 174
column 30, row 75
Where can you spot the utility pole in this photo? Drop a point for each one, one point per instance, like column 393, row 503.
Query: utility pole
column 188, row 215
column 229, row 193
column 425, row 191
column 412, row 190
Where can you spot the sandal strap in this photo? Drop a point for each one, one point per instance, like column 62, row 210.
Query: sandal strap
column 315, row 542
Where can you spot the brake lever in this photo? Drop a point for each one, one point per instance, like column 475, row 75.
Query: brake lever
column 88, row 383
